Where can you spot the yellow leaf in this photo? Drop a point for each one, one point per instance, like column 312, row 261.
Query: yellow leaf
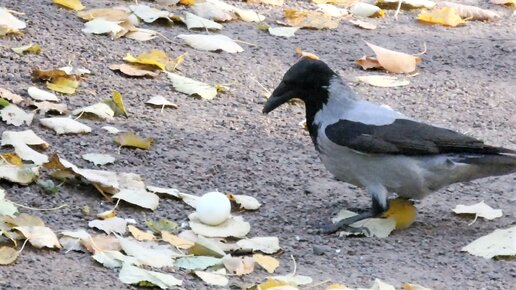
column 299, row 52
column 135, row 69
column 29, row 48
column 139, row 234
column 336, row 286
column 270, row 264
column 272, row 284
column 129, row 139
column 187, row 2
column 110, row 14
column 63, row 85
column 8, row 255
column 71, row 4
column 107, row 214
column 176, row 241
column 470, row 12
column 154, row 57
column 444, row 16
column 119, row 102
column 12, row 158
column 309, row 19
column 402, row 211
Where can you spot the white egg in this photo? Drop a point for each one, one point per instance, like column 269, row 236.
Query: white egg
column 213, row 208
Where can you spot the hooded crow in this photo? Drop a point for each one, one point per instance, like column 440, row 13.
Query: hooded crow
column 379, row 149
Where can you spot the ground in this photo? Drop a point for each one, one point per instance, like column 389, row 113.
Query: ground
column 466, row 82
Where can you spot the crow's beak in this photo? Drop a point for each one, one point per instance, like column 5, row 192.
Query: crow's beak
column 281, row 95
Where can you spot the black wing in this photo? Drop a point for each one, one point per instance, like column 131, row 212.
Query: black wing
column 405, row 137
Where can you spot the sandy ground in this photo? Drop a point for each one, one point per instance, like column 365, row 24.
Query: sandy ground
column 466, row 82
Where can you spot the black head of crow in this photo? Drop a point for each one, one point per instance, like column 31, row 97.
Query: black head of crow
column 379, row 149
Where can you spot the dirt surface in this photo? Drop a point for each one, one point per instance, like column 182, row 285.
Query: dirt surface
column 467, row 82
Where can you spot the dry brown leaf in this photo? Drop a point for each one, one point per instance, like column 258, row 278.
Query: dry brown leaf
column 367, row 62
column 470, row 12
column 393, row 61
column 111, row 14
column 129, row 139
column 135, row 70
column 49, row 74
column 239, row 265
column 270, row 264
column 363, row 24
column 299, row 52
column 12, row 158
column 176, row 241
column 139, row 234
column 445, row 16
column 309, row 19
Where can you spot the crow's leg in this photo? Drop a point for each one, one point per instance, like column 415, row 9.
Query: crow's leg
column 379, row 205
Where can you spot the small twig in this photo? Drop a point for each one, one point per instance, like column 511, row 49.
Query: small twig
column 295, row 265
column 245, row 42
column 397, row 10
column 40, row 209
column 15, row 12
column 166, row 38
column 262, row 86
column 23, row 246
column 80, row 115
column 474, row 220
column 116, row 204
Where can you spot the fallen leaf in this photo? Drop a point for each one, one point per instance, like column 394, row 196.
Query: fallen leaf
column 176, row 241
column 366, row 10
column 13, row 115
column 160, row 101
column 197, row 262
column 470, row 12
column 135, row 70
column 74, row 71
column 98, row 158
column 111, row 129
column 479, row 210
column 444, row 16
column 110, row 225
column 267, row 245
column 211, row 42
column 213, row 11
column 129, row 139
column 6, row 206
column 150, row 254
column 46, row 107
column 245, row 201
column 192, row 87
column 9, row 23
column 21, row 140
column 235, row 226
column 402, row 211
column 193, row 21
column 238, row 265
column 170, row 191
column 139, row 234
column 273, row 284
column 383, row 81
column 337, row 286
column 23, row 175
column 189, row 199
column 393, row 61
column 107, row 214
column 270, row 264
column 283, row 31
column 110, row 14
column 142, row 34
column 103, row 26
column 13, row 98
column 153, row 57
column 294, row 280
column 212, row 278
column 63, row 85
column 161, row 225
column 119, row 102
column 101, row 243
column 39, row 236
column 65, row 125
column 149, row 14
column 248, row 15
column 8, row 255
column 141, row 198
column 363, row 24
column 113, row 259
column 206, row 247
column 29, row 48
column 101, row 110
column 299, row 52
column 41, row 95
column 134, row 275
column 378, row 227
column 409, row 286
column 332, row 10
column 70, row 4
column 367, row 62
column 309, row 19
